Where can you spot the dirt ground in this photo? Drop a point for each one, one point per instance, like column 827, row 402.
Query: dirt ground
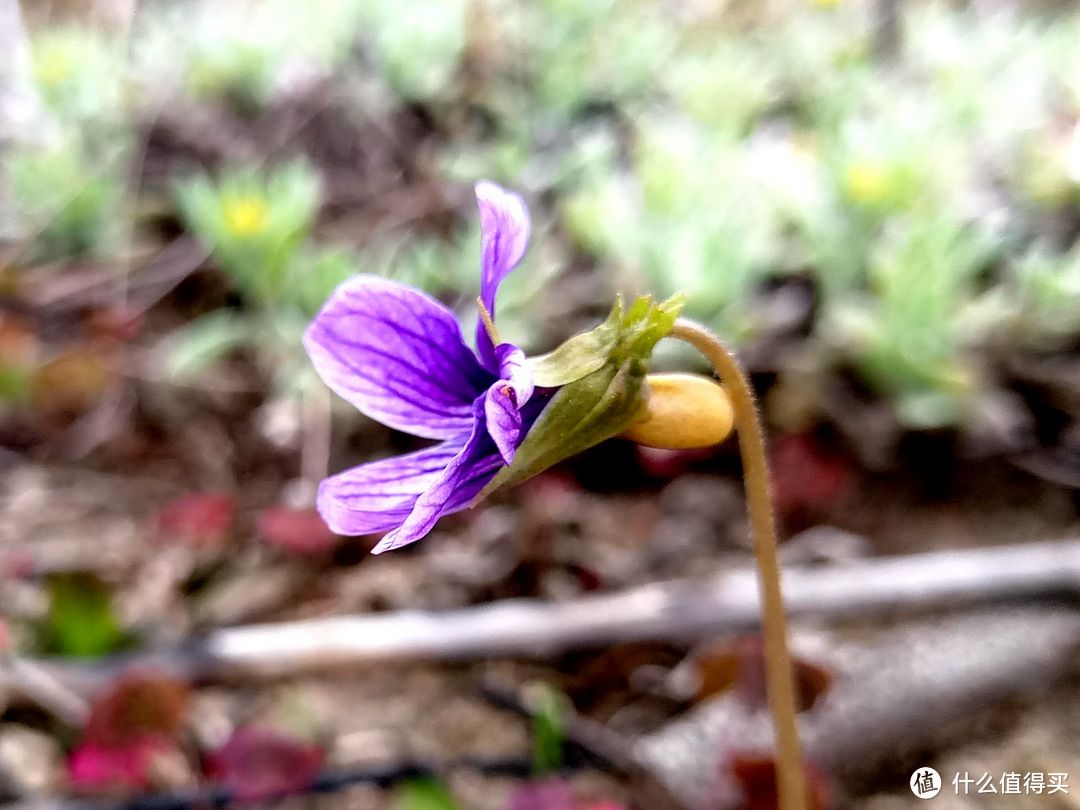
column 550, row 539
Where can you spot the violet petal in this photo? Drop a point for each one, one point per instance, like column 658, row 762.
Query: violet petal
column 398, row 356
column 453, row 489
column 503, row 419
column 504, row 227
column 380, row 495
column 514, row 370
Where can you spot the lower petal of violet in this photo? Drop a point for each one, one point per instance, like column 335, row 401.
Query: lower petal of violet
column 464, row 477
column 454, row 488
column 379, row 496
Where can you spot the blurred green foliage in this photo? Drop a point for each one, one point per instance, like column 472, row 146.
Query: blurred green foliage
column 254, row 222
column 418, row 47
column 65, row 188
column 64, row 199
column 81, row 621
column 257, row 225
column 81, row 75
column 424, row 794
column 927, row 185
column 547, row 731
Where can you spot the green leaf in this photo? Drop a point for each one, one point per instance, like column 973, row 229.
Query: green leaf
column 424, row 794
column 203, row 342
column 547, row 732
column 599, row 405
column 80, row 621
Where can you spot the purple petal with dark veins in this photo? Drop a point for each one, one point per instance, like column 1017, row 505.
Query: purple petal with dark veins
column 398, row 356
column 378, row 496
column 453, row 489
column 514, row 369
column 503, row 419
column 504, row 227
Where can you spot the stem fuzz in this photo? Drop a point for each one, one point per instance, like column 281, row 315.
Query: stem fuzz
column 779, row 677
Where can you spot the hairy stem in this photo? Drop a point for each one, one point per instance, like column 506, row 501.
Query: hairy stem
column 779, row 678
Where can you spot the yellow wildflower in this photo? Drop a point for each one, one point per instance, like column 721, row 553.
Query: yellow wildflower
column 53, row 67
column 867, row 182
column 245, row 215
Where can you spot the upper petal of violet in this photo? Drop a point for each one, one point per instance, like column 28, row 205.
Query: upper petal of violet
column 504, row 231
column 398, row 356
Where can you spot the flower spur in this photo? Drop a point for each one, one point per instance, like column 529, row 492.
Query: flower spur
column 400, row 358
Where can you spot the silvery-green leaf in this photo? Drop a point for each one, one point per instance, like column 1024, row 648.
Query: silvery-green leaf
column 204, row 341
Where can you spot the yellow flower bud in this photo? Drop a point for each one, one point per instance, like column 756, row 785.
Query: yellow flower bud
column 682, row 411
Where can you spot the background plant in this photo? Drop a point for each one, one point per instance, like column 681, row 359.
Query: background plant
column 711, row 153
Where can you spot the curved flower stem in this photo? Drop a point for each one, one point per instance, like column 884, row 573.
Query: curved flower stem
column 779, row 679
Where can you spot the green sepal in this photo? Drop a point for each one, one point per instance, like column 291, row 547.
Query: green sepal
column 600, row 403
column 580, row 355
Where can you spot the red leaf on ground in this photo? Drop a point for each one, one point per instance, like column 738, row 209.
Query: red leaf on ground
column 19, row 563
column 807, row 476
column 258, row 763
column 137, row 706
column 96, row 768
column 757, row 779
column 299, row 531
column 199, row 519
column 547, row 794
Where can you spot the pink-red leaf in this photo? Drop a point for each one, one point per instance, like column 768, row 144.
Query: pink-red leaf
column 140, row 704
column 198, row 519
column 258, row 763
column 547, row 794
column 756, row 777
column 298, row 531
column 96, row 768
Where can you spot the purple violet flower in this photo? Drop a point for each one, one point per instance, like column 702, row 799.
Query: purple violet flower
column 399, row 356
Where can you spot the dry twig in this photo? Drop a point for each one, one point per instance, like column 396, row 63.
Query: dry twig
column 678, row 610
